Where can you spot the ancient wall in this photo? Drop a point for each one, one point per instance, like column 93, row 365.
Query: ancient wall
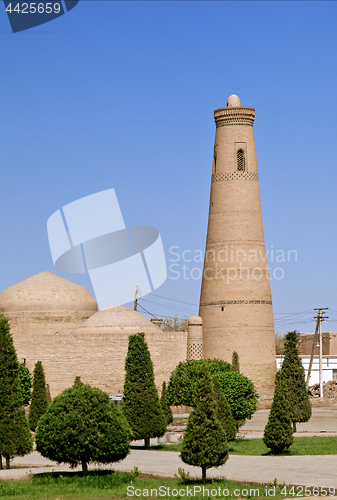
column 305, row 341
column 99, row 360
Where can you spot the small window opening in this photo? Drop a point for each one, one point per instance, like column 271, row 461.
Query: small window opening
column 222, row 308
column 240, row 157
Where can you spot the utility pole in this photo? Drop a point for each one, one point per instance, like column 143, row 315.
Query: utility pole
column 136, row 298
column 312, row 352
column 320, row 318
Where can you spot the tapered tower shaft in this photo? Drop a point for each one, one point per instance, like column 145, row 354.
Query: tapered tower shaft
column 235, row 302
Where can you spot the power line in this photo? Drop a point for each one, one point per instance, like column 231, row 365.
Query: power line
column 174, row 300
column 168, row 307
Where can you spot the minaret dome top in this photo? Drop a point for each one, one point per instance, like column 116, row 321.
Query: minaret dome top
column 233, row 101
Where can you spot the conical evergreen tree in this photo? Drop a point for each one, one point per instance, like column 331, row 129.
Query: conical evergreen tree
column 15, row 437
column 235, row 362
column 141, row 404
column 224, row 412
column 77, row 381
column 278, row 433
column 39, row 403
column 165, row 406
column 49, row 398
column 204, row 443
column 25, row 383
column 293, row 373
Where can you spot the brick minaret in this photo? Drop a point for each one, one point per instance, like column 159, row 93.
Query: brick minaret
column 235, row 302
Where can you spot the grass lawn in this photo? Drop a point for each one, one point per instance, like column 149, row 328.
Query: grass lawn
column 106, row 485
column 300, row 446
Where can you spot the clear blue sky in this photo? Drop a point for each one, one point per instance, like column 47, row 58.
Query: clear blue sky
column 121, row 94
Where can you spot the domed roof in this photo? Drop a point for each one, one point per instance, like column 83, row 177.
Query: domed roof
column 117, row 319
column 46, row 292
column 233, row 101
column 195, row 320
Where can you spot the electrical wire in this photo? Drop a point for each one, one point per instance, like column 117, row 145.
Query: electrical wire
column 174, row 300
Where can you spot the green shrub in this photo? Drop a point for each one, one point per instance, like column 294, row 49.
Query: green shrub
column 82, row 426
column 238, row 389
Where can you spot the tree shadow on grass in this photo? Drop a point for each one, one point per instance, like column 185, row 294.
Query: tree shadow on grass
column 79, row 474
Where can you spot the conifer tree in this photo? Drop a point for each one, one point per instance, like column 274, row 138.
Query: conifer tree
column 235, row 362
column 25, row 383
column 293, row 373
column 224, row 412
column 49, row 398
column 204, row 443
column 165, row 406
column 278, row 433
column 15, row 436
column 39, row 403
column 77, row 381
column 141, row 404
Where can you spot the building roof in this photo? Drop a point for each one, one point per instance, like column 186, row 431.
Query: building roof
column 118, row 319
column 46, row 292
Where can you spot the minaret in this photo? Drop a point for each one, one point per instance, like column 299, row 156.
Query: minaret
column 235, row 301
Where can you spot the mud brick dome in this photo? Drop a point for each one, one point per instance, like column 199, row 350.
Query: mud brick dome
column 104, row 338
column 56, row 321
column 46, row 302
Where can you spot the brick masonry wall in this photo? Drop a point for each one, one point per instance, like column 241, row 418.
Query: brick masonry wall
column 99, row 360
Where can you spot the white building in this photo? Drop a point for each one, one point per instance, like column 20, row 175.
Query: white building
column 329, row 366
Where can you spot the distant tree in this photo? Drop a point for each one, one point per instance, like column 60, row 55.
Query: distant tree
column 165, row 406
column 39, row 402
column 183, row 380
column 293, row 373
column 78, row 381
column 82, row 426
column 278, row 433
column 25, row 383
column 49, row 398
column 235, row 362
column 141, row 404
column 204, row 444
column 238, row 389
column 174, row 324
column 279, row 343
column 15, row 436
column 224, row 411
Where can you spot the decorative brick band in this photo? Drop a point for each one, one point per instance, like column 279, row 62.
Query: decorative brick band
column 234, row 116
column 226, row 302
column 234, row 176
column 231, row 124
